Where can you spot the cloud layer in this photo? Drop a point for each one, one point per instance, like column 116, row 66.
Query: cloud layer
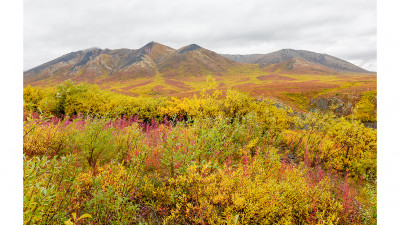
column 342, row 28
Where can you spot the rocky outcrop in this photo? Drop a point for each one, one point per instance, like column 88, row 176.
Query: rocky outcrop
column 338, row 106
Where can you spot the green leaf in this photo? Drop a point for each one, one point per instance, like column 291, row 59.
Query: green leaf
column 235, row 220
column 74, row 216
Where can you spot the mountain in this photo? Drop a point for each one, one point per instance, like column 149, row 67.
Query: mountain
column 106, row 65
column 90, row 64
column 65, row 65
column 264, row 60
column 194, row 60
column 299, row 66
column 142, row 62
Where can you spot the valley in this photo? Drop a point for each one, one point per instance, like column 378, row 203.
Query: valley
column 159, row 70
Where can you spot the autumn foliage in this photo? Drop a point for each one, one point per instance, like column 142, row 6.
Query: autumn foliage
column 96, row 157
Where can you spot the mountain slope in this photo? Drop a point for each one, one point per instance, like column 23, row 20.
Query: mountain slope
column 264, row 60
column 65, row 66
column 142, row 62
column 299, row 66
column 193, row 60
column 89, row 64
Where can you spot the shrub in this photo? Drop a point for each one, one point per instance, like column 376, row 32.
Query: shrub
column 94, row 143
column 206, row 160
column 49, row 189
column 366, row 108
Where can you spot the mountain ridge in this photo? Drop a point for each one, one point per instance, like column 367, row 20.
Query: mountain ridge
column 191, row 60
column 264, row 60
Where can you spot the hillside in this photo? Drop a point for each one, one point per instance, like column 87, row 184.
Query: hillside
column 97, row 64
column 142, row 62
column 264, row 60
column 299, row 66
column 193, row 60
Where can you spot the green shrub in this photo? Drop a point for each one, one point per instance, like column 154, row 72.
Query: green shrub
column 49, row 189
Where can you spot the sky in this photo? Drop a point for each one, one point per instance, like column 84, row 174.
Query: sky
column 346, row 29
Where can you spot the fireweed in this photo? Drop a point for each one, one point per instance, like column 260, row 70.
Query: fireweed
column 181, row 161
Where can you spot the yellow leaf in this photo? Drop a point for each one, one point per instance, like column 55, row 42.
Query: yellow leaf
column 69, row 222
column 85, row 216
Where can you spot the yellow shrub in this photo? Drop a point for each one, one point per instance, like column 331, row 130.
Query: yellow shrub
column 263, row 192
column 358, row 154
column 48, row 139
column 365, row 109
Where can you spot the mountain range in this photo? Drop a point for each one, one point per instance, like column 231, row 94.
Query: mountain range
column 95, row 64
column 328, row 61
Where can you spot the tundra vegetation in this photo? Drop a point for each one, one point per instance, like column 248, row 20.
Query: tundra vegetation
column 96, row 157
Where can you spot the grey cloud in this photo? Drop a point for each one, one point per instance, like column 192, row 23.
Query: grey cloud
column 342, row 28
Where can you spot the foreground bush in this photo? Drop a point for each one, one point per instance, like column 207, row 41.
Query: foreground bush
column 261, row 189
column 180, row 161
column 49, row 189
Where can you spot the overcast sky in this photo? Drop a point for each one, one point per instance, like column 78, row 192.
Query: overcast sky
column 342, row 28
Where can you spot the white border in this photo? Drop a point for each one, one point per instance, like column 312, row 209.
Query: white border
column 388, row 112
column 11, row 19
column 11, row 178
